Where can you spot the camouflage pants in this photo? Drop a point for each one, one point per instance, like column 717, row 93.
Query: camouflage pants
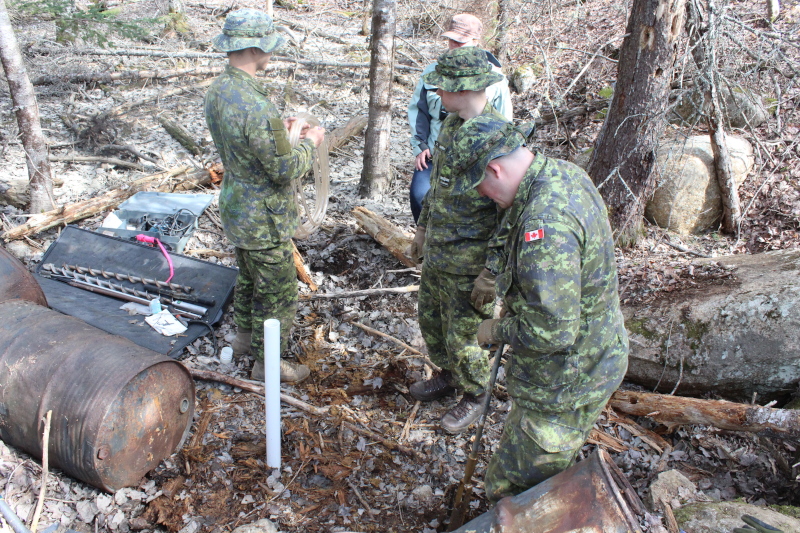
column 266, row 287
column 535, row 446
column 449, row 325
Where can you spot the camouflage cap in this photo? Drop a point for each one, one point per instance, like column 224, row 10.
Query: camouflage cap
column 463, row 69
column 479, row 141
column 248, row 28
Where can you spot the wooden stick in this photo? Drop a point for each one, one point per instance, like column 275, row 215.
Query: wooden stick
column 409, row 421
column 363, row 292
column 161, row 181
column 676, row 410
column 349, row 422
column 386, row 442
column 302, row 275
column 388, row 337
column 45, row 456
column 385, row 233
column 339, row 137
column 96, row 159
column 209, row 375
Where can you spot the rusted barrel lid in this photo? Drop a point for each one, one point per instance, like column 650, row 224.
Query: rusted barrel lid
column 16, row 282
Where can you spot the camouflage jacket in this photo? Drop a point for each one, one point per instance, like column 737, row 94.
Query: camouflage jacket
column 558, row 280
column 256, row 203
column 458, row 224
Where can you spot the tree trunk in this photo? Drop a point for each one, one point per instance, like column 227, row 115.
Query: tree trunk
column 734, row 338
column 622, row 162
column 24, row 99
column 377, row 171
column 703, row 40
column 674, row 410
column 505, row 16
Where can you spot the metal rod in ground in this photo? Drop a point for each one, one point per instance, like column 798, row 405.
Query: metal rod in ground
column 127, row 277
column 464, row 491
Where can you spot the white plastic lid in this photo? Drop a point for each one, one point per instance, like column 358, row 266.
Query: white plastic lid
column 226, row 355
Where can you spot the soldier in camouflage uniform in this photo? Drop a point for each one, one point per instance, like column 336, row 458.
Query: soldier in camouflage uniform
column 256, row 203
column 556, row 273
column 456, row 293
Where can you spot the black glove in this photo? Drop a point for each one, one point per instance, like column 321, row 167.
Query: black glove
column 754, row 525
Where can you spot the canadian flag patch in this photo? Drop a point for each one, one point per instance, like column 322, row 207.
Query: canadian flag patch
column 534, row 235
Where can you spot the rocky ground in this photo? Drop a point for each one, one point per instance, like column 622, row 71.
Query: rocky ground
column 334, row 478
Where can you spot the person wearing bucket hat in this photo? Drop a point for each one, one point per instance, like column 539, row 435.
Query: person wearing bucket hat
column 426, row 113
column 256, row 201
column 453, row 231
column 553, row 254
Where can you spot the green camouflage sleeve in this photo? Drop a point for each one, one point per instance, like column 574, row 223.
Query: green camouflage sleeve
column 548, row 274
column 269, row 141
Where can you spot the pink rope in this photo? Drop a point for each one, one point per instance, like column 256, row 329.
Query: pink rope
column 153, row 240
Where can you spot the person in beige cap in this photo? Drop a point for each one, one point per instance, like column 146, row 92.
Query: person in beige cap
column 426, row 112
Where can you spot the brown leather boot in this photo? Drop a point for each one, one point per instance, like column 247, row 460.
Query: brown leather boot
column 241, row 344
column 432, row 389
column 465, row 413
column 293, row 372
column 290, row 372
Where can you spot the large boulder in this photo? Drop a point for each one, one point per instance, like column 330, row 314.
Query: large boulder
column 740, row 108
column 720, row 517
column 687, row 198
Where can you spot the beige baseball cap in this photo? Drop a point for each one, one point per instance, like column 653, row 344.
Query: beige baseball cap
column 464, row 27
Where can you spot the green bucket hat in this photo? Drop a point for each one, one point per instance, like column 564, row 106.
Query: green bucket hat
column 248, row 28
column 482, row 139
column 463, row 69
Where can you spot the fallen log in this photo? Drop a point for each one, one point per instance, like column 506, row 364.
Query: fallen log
column 180, row 134
column 107, row 77
column 385, row 233
column 735, row 337
column 339, row 137
column 162, row 181
column 677, row 410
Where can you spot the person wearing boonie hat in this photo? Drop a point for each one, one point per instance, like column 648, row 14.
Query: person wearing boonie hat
column 256, row 201
column 426, row 113
column 553, row 254
column 453, row 231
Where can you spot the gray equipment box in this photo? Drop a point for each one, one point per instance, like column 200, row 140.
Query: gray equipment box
column 169, row 217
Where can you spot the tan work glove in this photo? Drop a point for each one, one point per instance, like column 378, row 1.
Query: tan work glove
column 414, row 251
column 483, row 292
column 487, row 338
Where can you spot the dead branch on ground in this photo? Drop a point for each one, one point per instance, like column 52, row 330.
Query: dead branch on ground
column 385, row 233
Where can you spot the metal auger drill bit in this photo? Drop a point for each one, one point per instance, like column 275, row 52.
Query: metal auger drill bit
column 127, row 277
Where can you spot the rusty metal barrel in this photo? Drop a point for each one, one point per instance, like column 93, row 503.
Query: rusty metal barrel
column 118, row 409
column 17, row 282
column 590, row 496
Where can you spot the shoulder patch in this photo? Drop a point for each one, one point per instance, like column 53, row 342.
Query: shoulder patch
column 281, row 136
column 534, row 235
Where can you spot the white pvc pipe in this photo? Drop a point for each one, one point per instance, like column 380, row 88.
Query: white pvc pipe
column 272, row 390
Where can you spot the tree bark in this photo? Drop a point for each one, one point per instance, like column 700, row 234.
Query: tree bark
column 180, row 134
column 27, row 111
column 505, row 16
column 675, row 410
column 377, row 171
column 623, row 160
column 387, row 234
column 733, row 338
column 77, row 211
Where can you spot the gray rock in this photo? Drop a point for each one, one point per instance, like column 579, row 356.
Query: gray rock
column 725, row 516
column 740, row 108
column 687, row 198
column 524, row 76
column 261, row 526
column 668, row 486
